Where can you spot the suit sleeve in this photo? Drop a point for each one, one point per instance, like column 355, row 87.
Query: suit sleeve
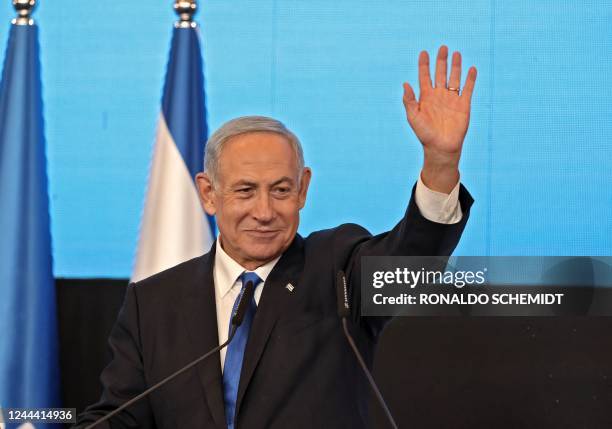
column 414, row 235
column 123, row 378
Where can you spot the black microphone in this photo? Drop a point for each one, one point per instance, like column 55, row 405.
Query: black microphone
column 344, row 310
column 245, row 299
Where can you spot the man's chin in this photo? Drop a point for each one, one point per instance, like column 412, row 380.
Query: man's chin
column 265, row 252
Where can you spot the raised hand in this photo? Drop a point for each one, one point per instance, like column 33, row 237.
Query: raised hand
column 440, row 118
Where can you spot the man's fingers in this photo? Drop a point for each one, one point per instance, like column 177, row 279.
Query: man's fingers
column 468, row 89
column 410, row 102
column 441, row 67
column 424, row 77
column 408, row 92
column 455, row 74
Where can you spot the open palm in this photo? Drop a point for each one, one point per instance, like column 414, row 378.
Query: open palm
column 441, row 116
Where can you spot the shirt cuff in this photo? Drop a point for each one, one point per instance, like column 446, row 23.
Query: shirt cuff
column 438, row 206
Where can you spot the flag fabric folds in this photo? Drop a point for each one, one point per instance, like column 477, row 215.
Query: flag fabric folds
column 29, row 370
column 174, row 227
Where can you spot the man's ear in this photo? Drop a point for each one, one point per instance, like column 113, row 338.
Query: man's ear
column 304, row 183
column 206, row 193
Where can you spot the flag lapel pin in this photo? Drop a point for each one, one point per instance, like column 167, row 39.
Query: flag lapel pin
column 289, row 287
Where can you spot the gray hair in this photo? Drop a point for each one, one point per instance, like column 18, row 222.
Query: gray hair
column 243, row 125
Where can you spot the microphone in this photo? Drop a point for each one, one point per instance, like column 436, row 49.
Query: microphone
column 245, row 299
column 344, row 310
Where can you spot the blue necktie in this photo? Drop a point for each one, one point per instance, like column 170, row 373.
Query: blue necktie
column 235, row 350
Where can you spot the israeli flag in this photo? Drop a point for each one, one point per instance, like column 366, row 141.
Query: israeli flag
column 174, row 228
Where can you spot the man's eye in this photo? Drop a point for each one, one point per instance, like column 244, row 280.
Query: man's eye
column 243, row 190
column 282, row 190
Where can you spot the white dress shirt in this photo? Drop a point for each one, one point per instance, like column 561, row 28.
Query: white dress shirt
column 226, row 274
column 438, row 206
column 434, row 206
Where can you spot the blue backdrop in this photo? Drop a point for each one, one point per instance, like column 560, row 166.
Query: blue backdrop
column 537, row 158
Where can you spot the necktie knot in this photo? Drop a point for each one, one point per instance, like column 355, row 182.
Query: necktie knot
column 250, row 276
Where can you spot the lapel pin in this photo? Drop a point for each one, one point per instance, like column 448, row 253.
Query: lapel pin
column 289, row 287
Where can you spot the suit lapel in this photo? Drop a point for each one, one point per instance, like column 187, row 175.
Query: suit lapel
column 201, row 321
column 274, row 300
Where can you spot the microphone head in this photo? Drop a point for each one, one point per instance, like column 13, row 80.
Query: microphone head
column 245, row 300
column 344, row 309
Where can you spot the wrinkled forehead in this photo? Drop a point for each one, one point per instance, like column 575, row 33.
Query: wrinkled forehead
column 257, row 154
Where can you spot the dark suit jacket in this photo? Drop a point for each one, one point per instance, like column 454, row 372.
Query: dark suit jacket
column 298, row 369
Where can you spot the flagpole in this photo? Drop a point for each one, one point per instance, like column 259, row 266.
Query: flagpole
column 24, row 10
column 185, row 9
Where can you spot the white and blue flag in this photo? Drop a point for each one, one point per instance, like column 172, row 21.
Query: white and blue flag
column 174, row 227
column 29, row 371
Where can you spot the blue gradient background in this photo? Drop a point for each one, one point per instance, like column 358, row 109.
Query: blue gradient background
column 537, row 158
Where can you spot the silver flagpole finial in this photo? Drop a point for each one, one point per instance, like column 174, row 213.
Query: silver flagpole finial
column 185, row 9
column 24, row 10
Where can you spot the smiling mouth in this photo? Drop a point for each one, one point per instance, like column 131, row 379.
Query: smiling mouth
column 262, row 232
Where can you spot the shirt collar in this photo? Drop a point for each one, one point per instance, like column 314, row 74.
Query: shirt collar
column 229, row 270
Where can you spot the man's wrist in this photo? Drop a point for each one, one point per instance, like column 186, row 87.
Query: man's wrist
column 440, row 172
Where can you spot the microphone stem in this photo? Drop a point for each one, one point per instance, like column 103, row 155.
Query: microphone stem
column 379, row 396
column 164, row 381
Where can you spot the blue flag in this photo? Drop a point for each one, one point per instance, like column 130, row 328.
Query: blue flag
column 29, row 371
column 174, row 228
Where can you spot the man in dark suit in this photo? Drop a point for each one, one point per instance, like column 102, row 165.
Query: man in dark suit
column 289, row 364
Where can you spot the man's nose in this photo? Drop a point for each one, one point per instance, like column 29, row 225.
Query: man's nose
column 263, row 210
